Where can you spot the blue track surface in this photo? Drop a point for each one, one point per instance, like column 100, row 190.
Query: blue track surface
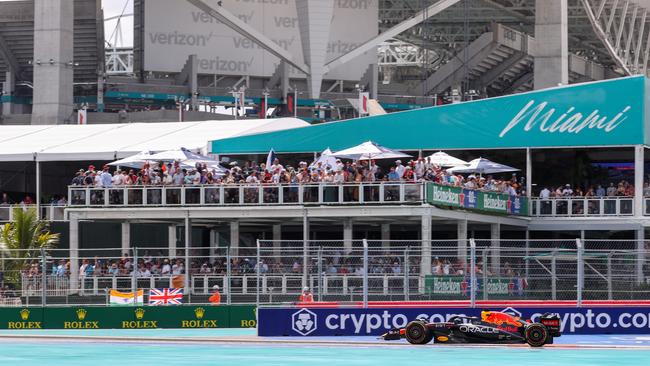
column 348, row 351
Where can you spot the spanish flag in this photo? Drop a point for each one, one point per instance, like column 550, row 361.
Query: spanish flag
column 126, row 298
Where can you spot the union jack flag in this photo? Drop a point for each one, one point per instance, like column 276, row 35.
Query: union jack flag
column 165, row 296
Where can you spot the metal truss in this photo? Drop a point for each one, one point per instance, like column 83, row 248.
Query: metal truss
column 119, row 61
column 621, row 26
column 403, row 54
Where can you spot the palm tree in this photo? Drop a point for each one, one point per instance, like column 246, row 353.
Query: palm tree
column 22, row 240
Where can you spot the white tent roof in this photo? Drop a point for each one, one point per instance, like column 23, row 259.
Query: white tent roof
column 115, row 141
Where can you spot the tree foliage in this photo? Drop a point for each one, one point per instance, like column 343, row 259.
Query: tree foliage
column 22, row 239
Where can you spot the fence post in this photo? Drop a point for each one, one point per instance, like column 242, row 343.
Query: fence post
column 365, row 273
column 406, row 274
column 472, row 272
column 305, row 248
column 228, row 273
column 134, row 280
column 554, row 275
column 485, row 276
column 609, row 277
column 581, row 273
column 43, row 277
column 257, row 280
column 320, row 272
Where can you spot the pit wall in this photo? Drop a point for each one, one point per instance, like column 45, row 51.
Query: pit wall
column 320, row 322
column 128, row 317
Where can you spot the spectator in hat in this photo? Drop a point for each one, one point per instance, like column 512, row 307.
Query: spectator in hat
column 79, row 178
column 118, row 178
column 306, row 295
column 399, row 168
column 215, row 299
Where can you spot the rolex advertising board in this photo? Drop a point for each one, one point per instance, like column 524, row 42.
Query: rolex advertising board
column 128, row 317
column 176, row 29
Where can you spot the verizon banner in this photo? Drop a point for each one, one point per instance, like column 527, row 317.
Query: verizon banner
column 175, row 29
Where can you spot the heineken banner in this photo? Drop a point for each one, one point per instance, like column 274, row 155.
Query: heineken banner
column 459, row 286
column 129, row 317
column 437, row 194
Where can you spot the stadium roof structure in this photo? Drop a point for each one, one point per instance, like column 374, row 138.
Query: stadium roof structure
column 603, row 113
column 114, row 141
column 17, row 40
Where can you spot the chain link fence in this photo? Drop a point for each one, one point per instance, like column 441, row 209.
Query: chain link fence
column 342, row 271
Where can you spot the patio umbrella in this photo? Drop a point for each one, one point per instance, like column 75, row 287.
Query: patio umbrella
column 135, row 161
column 213, row 165
column 370, row 150
column 482, row 166
column 179, row 155
column 443, row 159
column 188, row 159
column 326, row 159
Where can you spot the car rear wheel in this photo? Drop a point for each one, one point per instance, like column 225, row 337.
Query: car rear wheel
column 417, row 333
column 536, row 335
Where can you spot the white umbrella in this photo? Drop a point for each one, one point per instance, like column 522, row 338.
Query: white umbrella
column 370, row 150
column 326, row 158
column 443, row 159
column 188, row 159
column 482, row 166
column 179, row 155
column 213, row 165
column 135, row 161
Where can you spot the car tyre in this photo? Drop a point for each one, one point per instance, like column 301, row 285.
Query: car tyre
column 536, row 335
column 417, row 333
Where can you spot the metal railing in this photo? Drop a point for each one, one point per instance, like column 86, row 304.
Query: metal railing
column 49, row 212
column 248, row 194
column 338, row 271
column 583, row 206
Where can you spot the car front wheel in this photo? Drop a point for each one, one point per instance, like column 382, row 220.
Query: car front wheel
column 417, row 333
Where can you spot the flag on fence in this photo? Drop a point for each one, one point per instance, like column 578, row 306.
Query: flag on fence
column 165, row 296
column 126, row 298
column 269, row 159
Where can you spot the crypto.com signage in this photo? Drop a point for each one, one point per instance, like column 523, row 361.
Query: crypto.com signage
column 176, row 29
column 274, row 322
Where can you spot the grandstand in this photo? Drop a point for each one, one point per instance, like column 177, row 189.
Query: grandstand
column 536, row 85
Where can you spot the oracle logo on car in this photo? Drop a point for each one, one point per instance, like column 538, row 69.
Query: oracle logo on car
column 478, row 329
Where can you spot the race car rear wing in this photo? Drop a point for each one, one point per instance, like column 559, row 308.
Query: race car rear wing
column 552, row 323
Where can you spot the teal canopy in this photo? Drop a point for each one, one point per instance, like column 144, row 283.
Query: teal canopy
column 604, row 113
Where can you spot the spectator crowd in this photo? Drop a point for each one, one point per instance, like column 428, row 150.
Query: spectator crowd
column 622, row 189
column 362, row 171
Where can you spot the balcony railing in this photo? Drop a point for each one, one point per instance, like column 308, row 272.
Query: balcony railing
column 48, row 212
column 583, row 206
column 258, row 194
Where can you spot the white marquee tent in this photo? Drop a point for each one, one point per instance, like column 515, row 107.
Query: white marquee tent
column 116, row 141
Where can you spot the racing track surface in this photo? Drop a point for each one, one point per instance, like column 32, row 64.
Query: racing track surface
column 247, row 336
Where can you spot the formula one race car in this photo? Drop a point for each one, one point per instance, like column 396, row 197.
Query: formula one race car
column 493, row 327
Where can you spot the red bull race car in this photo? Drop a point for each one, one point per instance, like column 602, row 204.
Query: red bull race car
column 493, row 327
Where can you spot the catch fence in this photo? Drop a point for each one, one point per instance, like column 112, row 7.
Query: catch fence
column 342, row 271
